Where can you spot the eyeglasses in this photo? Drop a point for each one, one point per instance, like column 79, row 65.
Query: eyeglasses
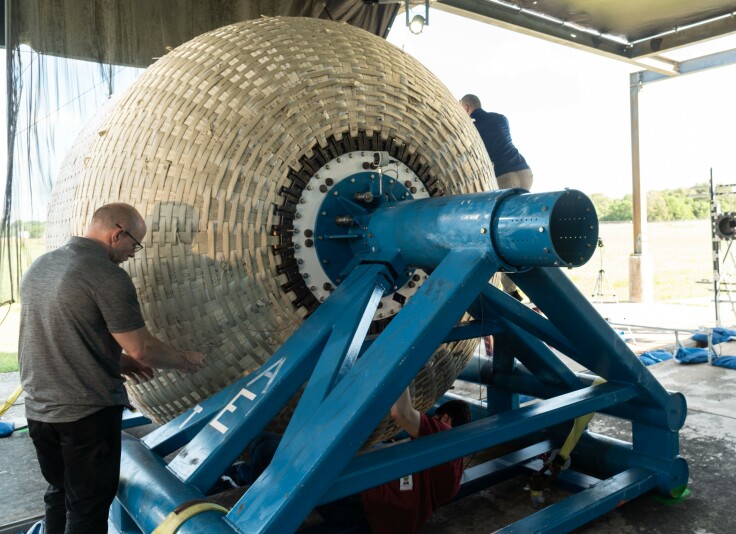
column 137, row 247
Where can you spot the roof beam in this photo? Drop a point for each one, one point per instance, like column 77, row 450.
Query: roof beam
column 691, row 66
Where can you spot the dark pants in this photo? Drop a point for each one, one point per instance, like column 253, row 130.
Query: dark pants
column 81, row 462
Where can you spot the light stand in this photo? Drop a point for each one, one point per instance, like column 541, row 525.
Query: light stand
column 598, row 290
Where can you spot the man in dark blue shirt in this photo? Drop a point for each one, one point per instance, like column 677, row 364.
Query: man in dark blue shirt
column 509, row 165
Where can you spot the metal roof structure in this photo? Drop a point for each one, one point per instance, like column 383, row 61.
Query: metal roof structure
column 644, row 33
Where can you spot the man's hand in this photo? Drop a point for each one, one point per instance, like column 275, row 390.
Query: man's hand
column 134, row 371
column 193, row 361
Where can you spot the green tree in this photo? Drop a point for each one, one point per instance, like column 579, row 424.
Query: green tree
column 35, row 229
column 602, row 204
column 679, row 207
column 657, row 208
column 620, row 210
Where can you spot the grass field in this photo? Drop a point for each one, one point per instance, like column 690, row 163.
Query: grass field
column 681, row 256
column 8, row 362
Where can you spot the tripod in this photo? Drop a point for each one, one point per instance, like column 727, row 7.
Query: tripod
column 598, row 290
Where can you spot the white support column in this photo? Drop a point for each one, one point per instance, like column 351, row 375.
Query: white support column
column 641, row 275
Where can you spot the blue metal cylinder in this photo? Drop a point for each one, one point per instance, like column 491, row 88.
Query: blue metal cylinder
column 522, row 229
column 541, row 229
column 149, row 492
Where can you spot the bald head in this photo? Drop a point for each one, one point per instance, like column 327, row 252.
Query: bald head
column 470, row 103
column 110, row 215
column 119, row 227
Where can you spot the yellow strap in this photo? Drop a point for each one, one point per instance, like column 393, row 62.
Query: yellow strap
column 578, row 428
column 173, row 521
column 11, row 400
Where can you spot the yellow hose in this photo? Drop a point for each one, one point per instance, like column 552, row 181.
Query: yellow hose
column 11, row 400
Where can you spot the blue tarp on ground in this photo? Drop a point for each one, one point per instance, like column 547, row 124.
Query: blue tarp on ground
column 719, row 335
column 654, row 356
column 729, row 362
column 6, row 429
column 691, row 355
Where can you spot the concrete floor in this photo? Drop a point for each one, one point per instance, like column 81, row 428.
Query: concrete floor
column 708, row 442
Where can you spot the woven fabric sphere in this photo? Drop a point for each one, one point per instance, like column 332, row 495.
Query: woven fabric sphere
column 215, row 145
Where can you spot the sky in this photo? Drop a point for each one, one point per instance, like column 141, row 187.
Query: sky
column 568, row 109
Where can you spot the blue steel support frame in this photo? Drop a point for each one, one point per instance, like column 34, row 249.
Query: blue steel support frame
column 351, row 382
column 303, row 469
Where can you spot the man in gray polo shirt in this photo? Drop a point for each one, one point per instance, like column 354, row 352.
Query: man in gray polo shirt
column 79, row 312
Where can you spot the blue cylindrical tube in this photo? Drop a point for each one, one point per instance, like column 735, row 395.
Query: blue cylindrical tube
column 522, row 229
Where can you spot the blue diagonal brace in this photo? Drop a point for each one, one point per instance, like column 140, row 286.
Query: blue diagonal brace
column 537, row 357
column 263, row 394
column 340, row 353
column 303, row 467
column 602, row 349
column 494, row 304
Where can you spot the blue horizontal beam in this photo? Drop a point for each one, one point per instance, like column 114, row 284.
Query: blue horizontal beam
column 390, row 463
column 487, row 474
column 587, row 505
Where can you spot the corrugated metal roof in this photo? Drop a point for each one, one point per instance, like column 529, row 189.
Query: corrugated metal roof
column 632, row 30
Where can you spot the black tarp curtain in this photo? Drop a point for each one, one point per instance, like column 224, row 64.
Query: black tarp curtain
column 65, row 58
